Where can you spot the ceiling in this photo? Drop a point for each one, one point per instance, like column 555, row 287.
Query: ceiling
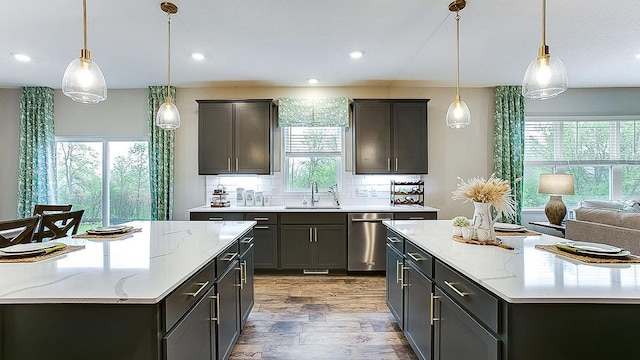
column 284, row 42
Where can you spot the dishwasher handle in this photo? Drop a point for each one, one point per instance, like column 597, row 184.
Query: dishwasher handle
column 370, row 220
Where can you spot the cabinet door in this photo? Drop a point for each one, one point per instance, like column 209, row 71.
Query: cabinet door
column 372, row 143
column 252, row 147
column 191, row 337
column 215, row 138
column 394, row 280
column 265, row 239
column 296, row 246
column 410, row 138
column 330, row 246
column 458, row 336
column 228, row 328
column 247, row 294
column 417, row 310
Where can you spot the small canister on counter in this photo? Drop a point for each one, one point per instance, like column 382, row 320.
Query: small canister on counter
column 266, row 200
column 249, row 198
column 259, row 198
column 240, row 199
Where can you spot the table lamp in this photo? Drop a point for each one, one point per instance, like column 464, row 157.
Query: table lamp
column 555, row 185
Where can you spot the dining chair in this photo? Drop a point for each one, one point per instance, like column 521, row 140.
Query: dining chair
column 18, row 231
column 54, row 226
column 41, row 209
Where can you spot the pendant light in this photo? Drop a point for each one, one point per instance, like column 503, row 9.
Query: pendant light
column 83, row 80
column 546, row 76
column 168, row 117
column 458, row 115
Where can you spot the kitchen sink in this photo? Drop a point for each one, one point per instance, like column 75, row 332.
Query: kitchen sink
column 293, row 207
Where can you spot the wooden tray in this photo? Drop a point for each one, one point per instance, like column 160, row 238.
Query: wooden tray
column 482, row 242
column 632, row 259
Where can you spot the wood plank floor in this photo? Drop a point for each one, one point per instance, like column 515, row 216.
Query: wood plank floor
column 321, row 317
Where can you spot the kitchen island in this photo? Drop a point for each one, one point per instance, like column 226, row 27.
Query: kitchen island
column 486, row 302
column 128, row 298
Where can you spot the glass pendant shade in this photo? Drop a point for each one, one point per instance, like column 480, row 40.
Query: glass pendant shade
column 83, row 82
column 168, row 117
column 458, row 115
column 545, row 78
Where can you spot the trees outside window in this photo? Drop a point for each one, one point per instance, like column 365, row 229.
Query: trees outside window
column 107, row 178
column 603, row 154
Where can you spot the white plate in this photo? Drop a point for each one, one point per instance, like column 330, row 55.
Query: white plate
column 105, row 230
column 512, row 227
column 592, row 247
column 29, row 248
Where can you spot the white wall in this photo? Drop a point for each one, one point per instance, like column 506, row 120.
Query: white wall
column 9, row 151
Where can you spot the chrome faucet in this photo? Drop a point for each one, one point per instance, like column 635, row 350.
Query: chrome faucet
column 314, row 190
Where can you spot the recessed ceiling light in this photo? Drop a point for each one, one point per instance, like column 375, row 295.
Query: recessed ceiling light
column 356, row 54
column 21, row 57
column 312, row 81
column 197, row 56
column 638, row 56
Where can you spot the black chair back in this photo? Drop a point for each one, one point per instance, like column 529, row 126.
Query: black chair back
column 41, row 209
column 19, row 231
column 54, row 226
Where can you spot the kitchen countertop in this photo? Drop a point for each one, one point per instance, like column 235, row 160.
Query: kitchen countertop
column 142, row 267
column 526, row 274
column 343, row 208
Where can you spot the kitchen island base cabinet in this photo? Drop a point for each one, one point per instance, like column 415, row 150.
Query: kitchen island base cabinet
column 395, row 263
column 228, row 315
column 247, row 294
column 456, row 335
column 417, row 311
column 194, row 337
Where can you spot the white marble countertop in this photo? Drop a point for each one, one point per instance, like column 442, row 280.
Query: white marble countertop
column 343, row 208
column 141, row 267
column 526, row 274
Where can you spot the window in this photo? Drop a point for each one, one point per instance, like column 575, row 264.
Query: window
column 107, row 178
column 602, row 152
column 311, row 153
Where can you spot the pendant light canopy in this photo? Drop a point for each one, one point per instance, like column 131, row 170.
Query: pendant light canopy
column 83, row 80
column 546, row 76
column 168, row 117
column 458, row 115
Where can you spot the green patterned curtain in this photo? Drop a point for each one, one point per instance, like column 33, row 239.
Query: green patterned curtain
column 329, row 112
column 37, row 167
column 508, row 136
column 161, row 158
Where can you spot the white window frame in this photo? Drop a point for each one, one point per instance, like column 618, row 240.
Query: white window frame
column 285, row 168
column 615, row 165
column 105, row 140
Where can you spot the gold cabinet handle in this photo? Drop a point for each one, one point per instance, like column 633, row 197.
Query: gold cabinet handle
column 245, row 271
column 315, row 233
column 388, row 164
column 402, row 284
column 216, row 219
column 217, row 318
column 230, row 257
column 261, row 219
column 241, row 269
column 396, row 164
column 202, row 286
column 229, row 164
column 453, row 287
column 398, row 271
column 236, row 164
column 261, row 227
column 247, row 240
column 433, row 300
column 310, row 234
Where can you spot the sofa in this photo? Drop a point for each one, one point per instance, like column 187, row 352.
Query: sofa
column 615, row 223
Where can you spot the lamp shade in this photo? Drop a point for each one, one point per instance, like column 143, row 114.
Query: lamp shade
column 556, row 184
column 458, row 115
column 168, row 117
column 546, row 77
column 83, row 82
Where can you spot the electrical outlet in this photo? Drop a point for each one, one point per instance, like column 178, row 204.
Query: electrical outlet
column 362, row 192
column 374, row 193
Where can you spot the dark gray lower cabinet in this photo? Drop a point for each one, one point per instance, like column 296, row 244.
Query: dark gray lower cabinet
column 458, row 336
column 395, row 263
column 265, row 246
column 193, row 337
column 247, row 295
column 313, row 247
column 228, row 325
column 417, row 310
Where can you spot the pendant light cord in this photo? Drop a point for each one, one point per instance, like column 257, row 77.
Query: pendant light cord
column 169, row 56
column 544, row 22
column 84, row 27
column 457, row 56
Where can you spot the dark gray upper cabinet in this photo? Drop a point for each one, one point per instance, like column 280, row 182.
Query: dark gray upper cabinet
column 390, row 136
column 234, row 136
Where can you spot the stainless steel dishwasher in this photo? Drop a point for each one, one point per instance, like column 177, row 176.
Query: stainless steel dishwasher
column 367, row 241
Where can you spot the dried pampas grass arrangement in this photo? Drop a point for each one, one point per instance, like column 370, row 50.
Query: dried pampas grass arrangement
column 494, row 191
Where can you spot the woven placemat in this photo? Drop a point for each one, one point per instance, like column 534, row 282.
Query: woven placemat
column 30, row 259
column 589, row 259
column 482, row 242
column 106, row 236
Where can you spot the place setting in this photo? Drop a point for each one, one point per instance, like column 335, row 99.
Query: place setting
column 111, row 232
column 591, row 252
column 32, row 252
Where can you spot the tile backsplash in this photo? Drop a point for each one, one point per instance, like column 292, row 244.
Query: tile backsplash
column 354, row 190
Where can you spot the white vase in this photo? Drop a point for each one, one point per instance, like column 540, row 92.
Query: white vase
column 483, row 221
column 457, row 230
